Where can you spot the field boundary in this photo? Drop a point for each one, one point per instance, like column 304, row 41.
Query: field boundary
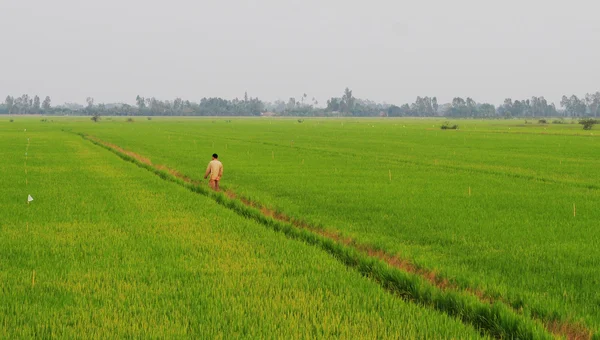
column 491, row 315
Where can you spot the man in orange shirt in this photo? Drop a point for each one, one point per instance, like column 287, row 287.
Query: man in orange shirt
column 215, row 170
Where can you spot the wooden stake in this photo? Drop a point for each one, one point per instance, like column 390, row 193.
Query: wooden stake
column 390, row 171
column 273, row 154
column 33, row 279
column 302, row 161
column 469, row 191
column 574, row 210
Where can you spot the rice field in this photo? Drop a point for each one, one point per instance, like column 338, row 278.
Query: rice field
column 368, row 228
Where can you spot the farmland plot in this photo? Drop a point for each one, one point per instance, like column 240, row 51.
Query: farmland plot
column 506, row 209
column 106, row 249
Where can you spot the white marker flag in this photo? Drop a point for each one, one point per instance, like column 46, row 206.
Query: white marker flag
column 29, row 198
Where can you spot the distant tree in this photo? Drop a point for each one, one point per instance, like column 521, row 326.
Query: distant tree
column 127, row 110
column 574, row 106
column 552, row 110
column 333, row 105
column 526, row 105
column 9, row 101
column 405, row 110
column 36, row 104
column 518, row 108
column 24, row 104
column 428, row 104
column 154, row 105
column 566, row 104
column 458, row 108
column 487, row 110
column 505, row 107
column 19, row 105
column 141, row 104
column 458, row 102
column 347, row 102
column 90, row 104
column 394, row 111
column 254, row 107
column 419, row 107
column 46, row 104
column 592, row 101
column 435, row 105
column 578, row 106
column 291, row 104
column 471, row 107
column 178, row 105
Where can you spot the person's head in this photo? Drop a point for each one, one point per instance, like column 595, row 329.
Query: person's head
column 215, row 156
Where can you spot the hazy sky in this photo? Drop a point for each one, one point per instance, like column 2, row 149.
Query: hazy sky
column 388, row 51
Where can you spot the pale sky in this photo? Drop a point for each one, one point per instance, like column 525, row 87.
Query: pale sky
column 388, row 50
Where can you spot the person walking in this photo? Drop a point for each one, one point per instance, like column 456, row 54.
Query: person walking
column 215, row 171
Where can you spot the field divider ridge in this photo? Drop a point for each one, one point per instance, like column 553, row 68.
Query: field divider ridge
column 491, row 316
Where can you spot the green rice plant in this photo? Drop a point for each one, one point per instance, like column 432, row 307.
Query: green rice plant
column 497, row 320
column 499, row 207
column 107, row 249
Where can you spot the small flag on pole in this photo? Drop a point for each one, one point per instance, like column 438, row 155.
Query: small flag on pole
column 29, row 198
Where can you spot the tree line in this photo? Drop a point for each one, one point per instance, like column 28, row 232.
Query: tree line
column 345, row 105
